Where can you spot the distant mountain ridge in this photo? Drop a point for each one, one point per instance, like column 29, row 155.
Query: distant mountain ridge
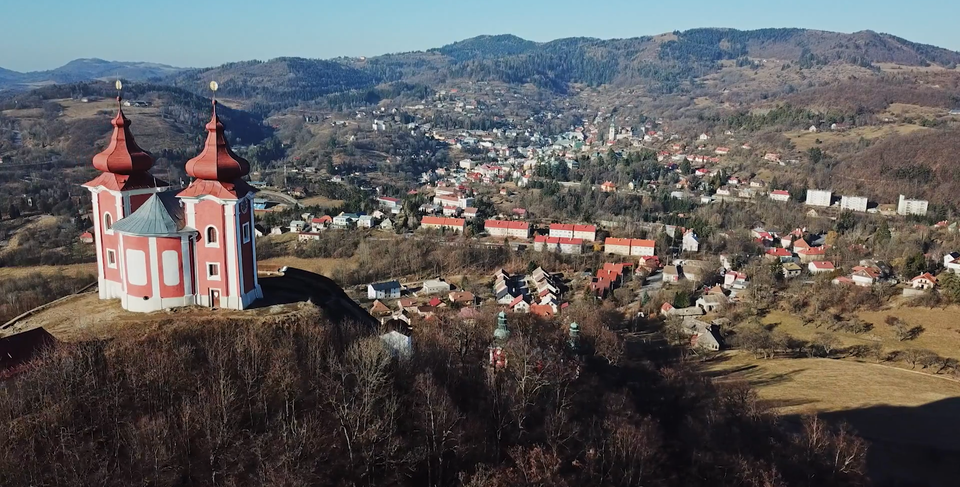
column 665, row 63
column 87, row 69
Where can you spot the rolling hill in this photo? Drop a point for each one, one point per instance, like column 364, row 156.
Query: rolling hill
column 85, row 70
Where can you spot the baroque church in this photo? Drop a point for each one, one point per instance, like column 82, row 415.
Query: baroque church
column 159, row 246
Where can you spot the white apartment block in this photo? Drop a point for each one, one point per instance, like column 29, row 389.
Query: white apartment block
column 911, row 207
column 853, row 203
column 817, row 197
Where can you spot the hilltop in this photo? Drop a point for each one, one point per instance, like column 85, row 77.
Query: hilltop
column 85, row 70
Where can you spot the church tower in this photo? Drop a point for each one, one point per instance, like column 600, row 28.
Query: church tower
column 121, row 189
column 218, row 203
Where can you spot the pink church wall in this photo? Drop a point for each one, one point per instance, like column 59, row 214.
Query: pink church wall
column 210, row 213
column 108, row 204
column 165, row 244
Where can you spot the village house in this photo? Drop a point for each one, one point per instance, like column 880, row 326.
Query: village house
column 924, row 281
column 86, row 237
column 393, row 205
column 791, row 270
column 711, row 302
column 702, row 335
column 434, row 286
column 951, row 262
column 383, row 290
column 464, row 298
column 608, row 187
column 507, row 228
column 820, row 267
column 297, row 226
column 690, row 242
column 780, row 195
column 735, row 280
column 865, row 276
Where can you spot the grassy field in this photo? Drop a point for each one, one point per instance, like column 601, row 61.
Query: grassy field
column 941, row 329
column 72, row 270
column 325, row 267
column 321, row 201
column 908, row 417
column 804, row 140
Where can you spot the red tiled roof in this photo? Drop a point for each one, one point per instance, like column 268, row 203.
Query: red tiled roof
column 925, row 275
column 513, row 225
column 779, row 252
column 438, row 220
column 636, row 242
column 824, row 265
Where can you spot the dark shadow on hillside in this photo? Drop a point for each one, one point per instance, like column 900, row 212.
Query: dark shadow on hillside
column 295, row 286
column 909, row 446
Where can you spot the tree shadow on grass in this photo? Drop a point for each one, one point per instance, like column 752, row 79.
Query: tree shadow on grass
column 908, row 445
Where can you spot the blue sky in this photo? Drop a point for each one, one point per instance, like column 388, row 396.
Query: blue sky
column 43, row 34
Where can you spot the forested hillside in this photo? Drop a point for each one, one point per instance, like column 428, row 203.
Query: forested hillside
column 303, row 401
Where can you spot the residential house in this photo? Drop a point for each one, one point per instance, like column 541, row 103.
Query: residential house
column 779, row 254
column 702, row 335
column 790, row 270
column 820, row 267
column 470, row 213
column 397, row 337
column 386, row 224
column 735, row 280
column 690, row 242
column 865, row 276
column 507, row 228
column 924, row 281
column 518, row 305
column 345, row 220
column 608, row 187
column 379, row 309
column 671, row 274
column 780, row 195
column 811, row 254
column 307, row 236
column 951, row 262
column 86, row 237
column 434, row 286
column 464, row 298
column 383, row 290
column 365, row 221
column 297, row 225
column 712, row 302
column 393, row 205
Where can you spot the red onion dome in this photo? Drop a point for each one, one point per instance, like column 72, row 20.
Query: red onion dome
column 123, row 155
column 217, row 162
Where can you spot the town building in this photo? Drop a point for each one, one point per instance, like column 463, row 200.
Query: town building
column 853, row 203
column 158, row 247
column 383, row 290
column 393, row 205
column 565, row 230
column 435, row 286
column 441, row 223
column 816, row 197
column 507, row 228
column 780, row 195
column 911, row 207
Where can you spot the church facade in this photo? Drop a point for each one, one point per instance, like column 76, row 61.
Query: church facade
column 161, row 247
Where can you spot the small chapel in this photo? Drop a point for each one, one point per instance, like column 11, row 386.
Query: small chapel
column 160, row 246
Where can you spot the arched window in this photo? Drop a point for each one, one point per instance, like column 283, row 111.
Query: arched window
column 211, row 236
column 107, row 221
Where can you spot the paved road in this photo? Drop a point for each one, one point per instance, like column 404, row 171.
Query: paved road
column 263, row 193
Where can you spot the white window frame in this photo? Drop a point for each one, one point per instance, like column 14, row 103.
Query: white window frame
column 245, row 230
column 211, row 276
column 108, row 223
column 111, row 256
column 206, row 236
